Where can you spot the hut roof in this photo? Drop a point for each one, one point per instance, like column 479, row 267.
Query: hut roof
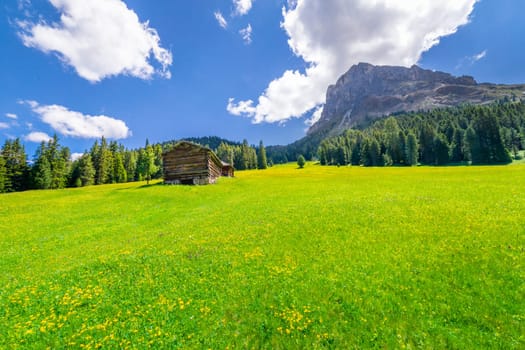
column 192, row 144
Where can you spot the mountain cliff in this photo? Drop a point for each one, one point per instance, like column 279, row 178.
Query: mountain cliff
column 367, row 92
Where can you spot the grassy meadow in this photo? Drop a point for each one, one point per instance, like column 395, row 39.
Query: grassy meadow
column 320, row 257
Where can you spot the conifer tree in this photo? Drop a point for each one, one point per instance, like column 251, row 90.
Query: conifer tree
column 41, row 171
column 457, row 146
column 225, row 152
column 130, row 164
column 2, row 174
column 86, row 170
column 411, row 149
column 16, row 166
column 245, row 155
column 441, row 149
column 102, row 162
column 146, row 163
column 491, row 149
column 471, row 145
column 261, row 157
column 58, row 158
column 159, row 169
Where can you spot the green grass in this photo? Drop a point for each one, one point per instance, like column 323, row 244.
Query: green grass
column 321, row 257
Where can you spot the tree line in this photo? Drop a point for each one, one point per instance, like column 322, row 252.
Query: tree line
column 493, row 134
column 242, row 156
column 52, row 166
column 106, row 162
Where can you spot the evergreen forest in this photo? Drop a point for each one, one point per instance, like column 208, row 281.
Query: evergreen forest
column 493, row 134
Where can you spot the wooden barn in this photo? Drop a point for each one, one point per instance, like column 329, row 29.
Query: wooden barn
column 191, row 164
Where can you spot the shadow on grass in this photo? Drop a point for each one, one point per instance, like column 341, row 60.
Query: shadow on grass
column 160, row 183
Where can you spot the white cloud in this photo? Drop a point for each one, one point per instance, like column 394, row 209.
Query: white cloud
column 4, row 126
column 316, row 115
column 332, row 35
column 220, row 19
column 76, row 124
column 479, row 56
column 246, row 34
column 100, row 39
column 11, row 116
column 76, row 156
column 37, row 137
column 243, row 107
column 242, row 7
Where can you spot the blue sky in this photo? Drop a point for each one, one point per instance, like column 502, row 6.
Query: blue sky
column 255, row 69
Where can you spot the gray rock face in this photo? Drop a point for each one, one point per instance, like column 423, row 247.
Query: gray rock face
column 369, row 92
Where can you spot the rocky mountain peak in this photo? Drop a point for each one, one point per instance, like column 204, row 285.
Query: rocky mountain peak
column 366, row 92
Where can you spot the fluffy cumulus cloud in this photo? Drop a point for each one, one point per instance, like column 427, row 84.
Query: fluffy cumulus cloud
column 246, row 34
column 332, row 35
column 242, row 7
column 37, row 137
column 76, row 124
column 220, row 19
column 100, row 38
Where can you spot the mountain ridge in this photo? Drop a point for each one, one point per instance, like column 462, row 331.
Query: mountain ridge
column 367, row 92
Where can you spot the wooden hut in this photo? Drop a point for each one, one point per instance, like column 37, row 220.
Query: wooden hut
column 227, row 170
column 191, row 164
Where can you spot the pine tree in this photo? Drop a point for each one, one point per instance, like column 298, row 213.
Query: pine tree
column 130, row 164
column 225, row 152
column 159, row 168
column 41, row 171
column 2, row 174
column 245, row 151
column 471, row 146
column 86, row 170
column 118, row 171
column 392, row 142
column 17, row 170
column 442, row 150
column 457, row 146
column 261, row 157
column 58, row 158
column 146, row 163
column 411, row 149
column 102, row 162
column 491, row 149
column 371, row 153
column 426, row 143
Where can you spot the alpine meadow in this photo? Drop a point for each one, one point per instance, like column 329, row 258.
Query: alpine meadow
column 319, row 257
column 254, row 174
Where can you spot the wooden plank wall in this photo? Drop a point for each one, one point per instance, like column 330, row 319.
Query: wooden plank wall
column 192, row 164
column 185, row 162
column 215, row 169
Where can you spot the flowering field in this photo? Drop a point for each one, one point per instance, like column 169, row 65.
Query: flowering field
column 321, row 257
